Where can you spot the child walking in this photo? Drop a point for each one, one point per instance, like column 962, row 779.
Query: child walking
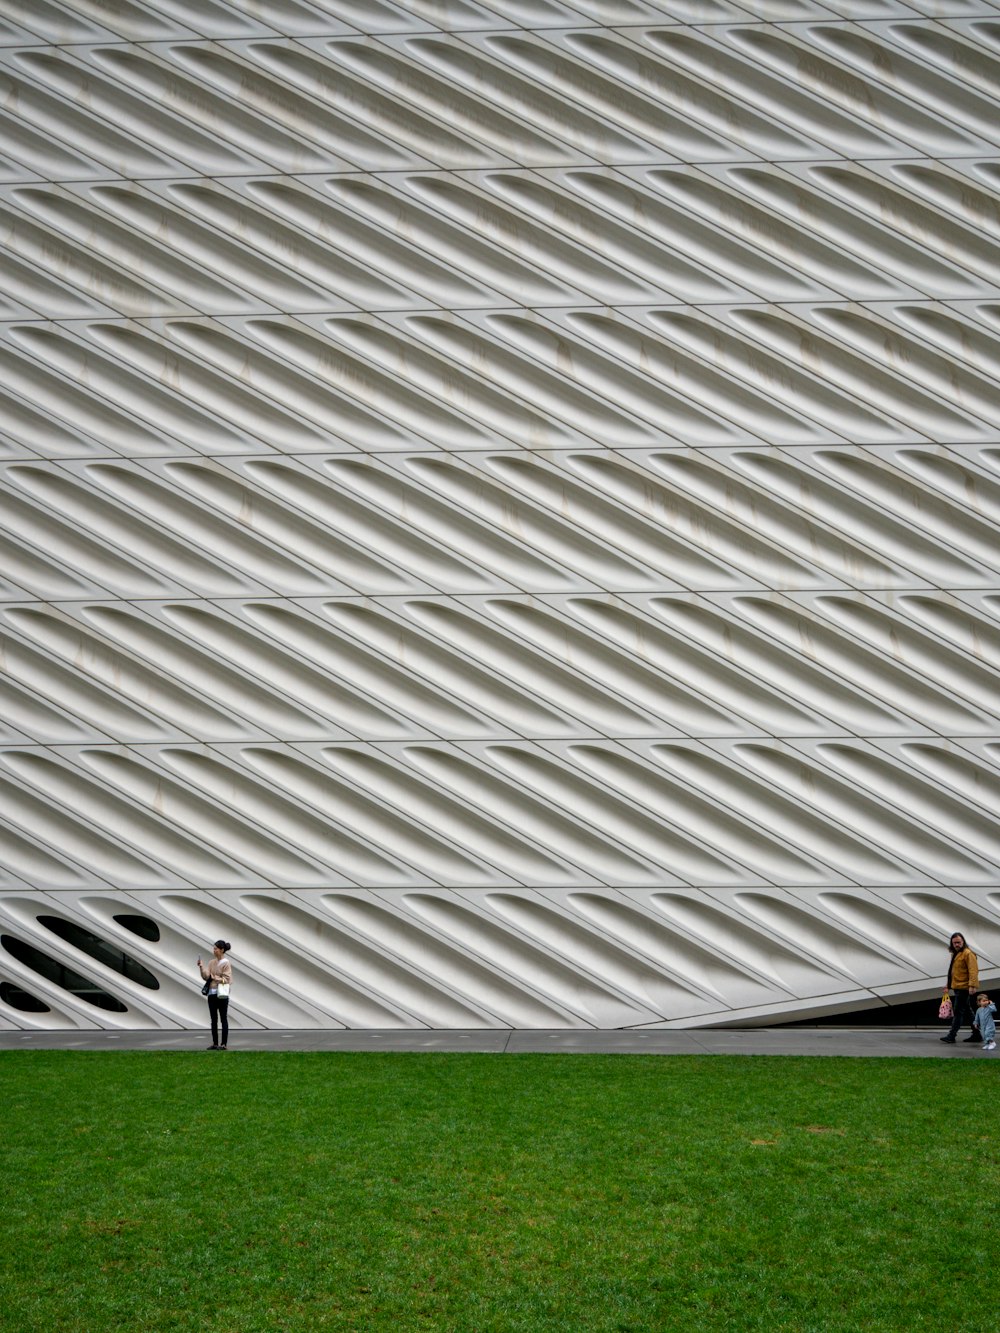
column 984, row 1022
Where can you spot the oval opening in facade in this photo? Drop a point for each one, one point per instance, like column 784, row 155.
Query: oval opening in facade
column 60, row 975
column 141, row 926
column 19, row 998
column 100, row 950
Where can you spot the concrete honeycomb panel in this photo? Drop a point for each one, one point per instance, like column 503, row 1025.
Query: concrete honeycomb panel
column 499, row 508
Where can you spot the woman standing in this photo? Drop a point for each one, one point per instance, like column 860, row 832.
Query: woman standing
column 219, row 976
column 963, row 981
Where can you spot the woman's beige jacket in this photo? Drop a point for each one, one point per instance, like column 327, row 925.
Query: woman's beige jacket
column 218, row 969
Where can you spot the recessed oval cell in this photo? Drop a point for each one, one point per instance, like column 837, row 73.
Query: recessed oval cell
column 81, row 987
column 483, row 937
column 819, row 937
column 100, row 950
column 477, row 982
column 142, row 926
column 18, row 998
column 413, row 991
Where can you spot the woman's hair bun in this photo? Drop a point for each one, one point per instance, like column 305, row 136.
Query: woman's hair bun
column 223, row 944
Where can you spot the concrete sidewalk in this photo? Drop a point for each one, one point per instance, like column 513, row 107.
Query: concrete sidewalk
column 912, row 1042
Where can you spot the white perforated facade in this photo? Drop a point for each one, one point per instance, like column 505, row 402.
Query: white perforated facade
column 500, row 508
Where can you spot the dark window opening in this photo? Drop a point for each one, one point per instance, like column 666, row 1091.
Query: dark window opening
column 60, row 975
column 141, row 926
column 18, row 998
column 108, row 954
column 912, row 1013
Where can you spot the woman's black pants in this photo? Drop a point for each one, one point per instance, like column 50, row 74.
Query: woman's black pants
column 219, row 1009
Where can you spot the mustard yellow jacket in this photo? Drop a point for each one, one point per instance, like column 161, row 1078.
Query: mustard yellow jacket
column 964, row 970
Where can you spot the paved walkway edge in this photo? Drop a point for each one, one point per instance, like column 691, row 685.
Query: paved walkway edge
column 898, row 1042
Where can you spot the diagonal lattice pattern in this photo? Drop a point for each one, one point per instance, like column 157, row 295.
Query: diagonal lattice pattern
column 500, row 507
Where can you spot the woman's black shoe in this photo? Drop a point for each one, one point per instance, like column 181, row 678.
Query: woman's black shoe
column 949, row 1040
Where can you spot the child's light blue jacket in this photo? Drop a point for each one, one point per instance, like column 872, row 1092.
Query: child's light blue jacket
column 985, row 1022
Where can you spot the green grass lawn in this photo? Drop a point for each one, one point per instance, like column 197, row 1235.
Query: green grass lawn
column 273, row 1193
